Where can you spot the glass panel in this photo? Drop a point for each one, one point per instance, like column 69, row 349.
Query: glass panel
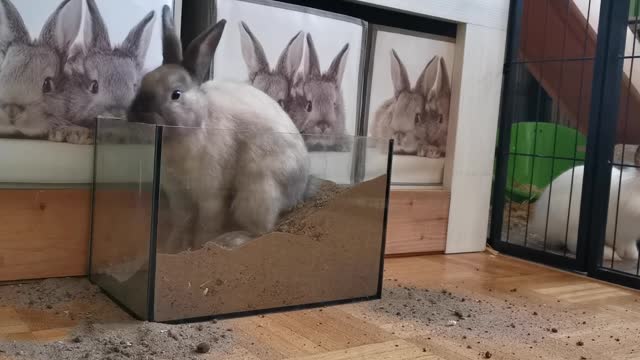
column 549, row 124
column 233, row 235
column 122, row 211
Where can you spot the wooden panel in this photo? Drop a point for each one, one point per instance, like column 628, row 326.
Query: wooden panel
column 417, row 221
column 563, row 81
column 44, row 233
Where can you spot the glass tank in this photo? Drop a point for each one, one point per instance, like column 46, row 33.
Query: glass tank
column 187, row 226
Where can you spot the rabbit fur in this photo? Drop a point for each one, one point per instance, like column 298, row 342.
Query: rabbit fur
column 228, row 168
column 416, row 118
column 627, row 210
column 317, row 104
column 102, row 79
column 32, row 71
column 278, row 82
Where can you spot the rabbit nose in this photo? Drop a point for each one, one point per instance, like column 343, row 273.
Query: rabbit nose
column 399, row 136
column 13, row 110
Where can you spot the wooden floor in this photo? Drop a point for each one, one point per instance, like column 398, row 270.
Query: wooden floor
column 519, row 311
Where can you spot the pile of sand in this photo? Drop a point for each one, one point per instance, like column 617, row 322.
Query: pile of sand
column 327, row 249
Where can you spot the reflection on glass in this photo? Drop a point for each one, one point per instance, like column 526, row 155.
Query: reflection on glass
column 122, row 211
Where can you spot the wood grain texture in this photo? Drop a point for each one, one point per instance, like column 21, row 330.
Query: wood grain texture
column 417, row 221
column 44, row 233
column 604, row 316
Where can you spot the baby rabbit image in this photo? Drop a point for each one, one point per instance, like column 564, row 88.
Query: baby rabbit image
column 317, row 106
column 102, row 79
column 243, row 162
column 278, row 82
column 416, row 118
column 32, row 71
column 627, row 181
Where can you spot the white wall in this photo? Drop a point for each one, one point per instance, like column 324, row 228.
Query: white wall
column 476, row 86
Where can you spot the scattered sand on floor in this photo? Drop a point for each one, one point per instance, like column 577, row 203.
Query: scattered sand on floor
column 101, row 329
column 450, row 321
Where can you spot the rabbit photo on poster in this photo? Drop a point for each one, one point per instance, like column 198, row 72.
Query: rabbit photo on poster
column 32, row 75
column 221, row 187
column 416, row 118
column 276, row 82
column 317, row 105
column 102, row 79
column 556, row 215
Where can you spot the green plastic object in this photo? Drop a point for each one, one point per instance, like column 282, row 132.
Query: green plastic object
column 534, row 161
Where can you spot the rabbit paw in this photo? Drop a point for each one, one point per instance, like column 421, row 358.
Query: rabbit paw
column 610, row 253
column 72, row 134
column 80, row 135
column 233, row 240
column 429, row 151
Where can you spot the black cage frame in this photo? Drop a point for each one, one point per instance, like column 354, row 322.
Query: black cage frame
column 605, row 96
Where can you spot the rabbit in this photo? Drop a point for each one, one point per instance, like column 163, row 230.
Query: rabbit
column 317, row 104
column 233, row 160
column 416, row 119
column 32, row 71
column 628, row 212
column 102, row 79
column 278, row 82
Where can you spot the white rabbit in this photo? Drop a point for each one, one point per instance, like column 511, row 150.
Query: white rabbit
column 278, row 82
column 416, row 118
column 242, row 166
column 628, row 212
column 32, row 71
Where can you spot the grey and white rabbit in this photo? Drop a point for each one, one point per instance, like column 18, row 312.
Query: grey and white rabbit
column 564, row 218
column 32, row 71
column 103, row 79
column 277, row 82
column 241, row 164
column 317, row 105
column 416, row 118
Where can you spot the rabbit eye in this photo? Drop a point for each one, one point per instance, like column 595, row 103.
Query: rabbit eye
column 176, row 95
column 47, row 86
column 418, row 119
column 281, row 103
column 94, row 88
column 309, row 106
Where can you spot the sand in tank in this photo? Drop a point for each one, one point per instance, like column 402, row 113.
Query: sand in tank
column 326, row 249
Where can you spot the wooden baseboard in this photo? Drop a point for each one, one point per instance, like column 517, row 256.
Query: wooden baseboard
column 44, row 233
column 418, row 222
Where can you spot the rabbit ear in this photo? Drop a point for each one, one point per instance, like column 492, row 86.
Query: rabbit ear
column 61, row 28
column 12, row 28
column 291, row 57
column 199, row 54
column 96, row 35
column 434, row 80
column 312, row 66
column 252, row 51
column 336, row 69
column 399, row 74
column 137, row 42
column 171, row 44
